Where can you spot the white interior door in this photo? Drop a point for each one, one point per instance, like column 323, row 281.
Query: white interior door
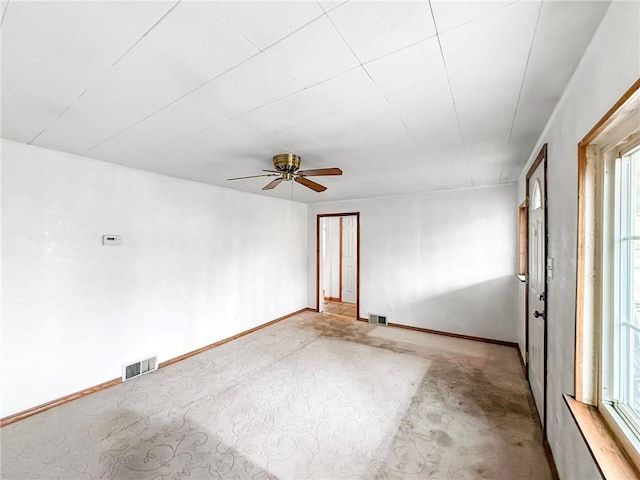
column 536, row 287
column 349, row 242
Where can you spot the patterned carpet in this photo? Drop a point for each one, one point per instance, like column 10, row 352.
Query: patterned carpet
column 315, row 396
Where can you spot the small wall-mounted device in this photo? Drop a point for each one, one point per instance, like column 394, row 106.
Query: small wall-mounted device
column 111, row 240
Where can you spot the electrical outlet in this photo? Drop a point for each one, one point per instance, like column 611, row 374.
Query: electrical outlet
column 390, row 307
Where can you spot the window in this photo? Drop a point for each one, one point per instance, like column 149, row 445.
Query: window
column 619, row 394
column 607, row 361
column 623, row 366
column 536, row 196
column 523, row 217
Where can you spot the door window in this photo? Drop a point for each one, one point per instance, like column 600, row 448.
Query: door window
column 536, row 196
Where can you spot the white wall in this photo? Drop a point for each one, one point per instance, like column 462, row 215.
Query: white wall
column 198, row 264
column 609, row 67
column 445, row 260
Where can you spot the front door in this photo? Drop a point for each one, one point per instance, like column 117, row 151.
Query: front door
column 536, row 314
column 349, row 253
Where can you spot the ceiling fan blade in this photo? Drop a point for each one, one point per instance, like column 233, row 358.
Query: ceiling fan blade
column 310, row 184
column 320, row 171
column 273, row 184
column 272, row 171
column 253, row 176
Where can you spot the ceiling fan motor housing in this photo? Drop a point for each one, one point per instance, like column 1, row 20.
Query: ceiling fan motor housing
column 286, row 162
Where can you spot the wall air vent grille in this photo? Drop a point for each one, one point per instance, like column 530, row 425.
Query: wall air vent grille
column 139, row 368
column 377, row 319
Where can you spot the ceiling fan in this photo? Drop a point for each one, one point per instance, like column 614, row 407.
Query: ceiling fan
column 286, row 167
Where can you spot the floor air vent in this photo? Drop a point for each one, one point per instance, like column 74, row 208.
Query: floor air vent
column 377, row 319
column 139, row 368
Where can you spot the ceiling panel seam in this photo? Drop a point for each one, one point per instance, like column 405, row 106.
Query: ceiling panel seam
column 295, row 31
column 413, row 138
column 398, row 50
column 325, row 10
column 302, row 27
column 361, row 65
column 478, row 18
column 524, row 74
column 202, row 130
column 223, row 20
column 176, row 100
column 344, row 39
column 4, row 11
column 408, row 130
column 106, row 71
column 333, row 77
column 524, row 77
column 453, row 99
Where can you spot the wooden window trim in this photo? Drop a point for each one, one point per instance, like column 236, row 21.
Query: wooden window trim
column 609, row 458
column 607, row 448
column 523, row 232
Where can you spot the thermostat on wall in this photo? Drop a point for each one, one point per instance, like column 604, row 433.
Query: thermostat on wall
column 111, row 240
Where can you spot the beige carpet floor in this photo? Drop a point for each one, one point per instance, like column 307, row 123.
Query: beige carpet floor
column 315, row 396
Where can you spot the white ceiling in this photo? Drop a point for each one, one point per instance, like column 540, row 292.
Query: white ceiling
column 403, row 96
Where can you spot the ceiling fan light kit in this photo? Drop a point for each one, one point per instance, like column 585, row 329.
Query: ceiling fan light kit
column 287, row 167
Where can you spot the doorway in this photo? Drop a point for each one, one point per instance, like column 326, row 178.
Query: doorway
column 338, row 264
column 536, row 291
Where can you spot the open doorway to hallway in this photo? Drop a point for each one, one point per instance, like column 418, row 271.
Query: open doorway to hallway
column 337, row 264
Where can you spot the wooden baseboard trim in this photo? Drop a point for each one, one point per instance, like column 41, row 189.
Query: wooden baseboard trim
column 332, row 299
column 456, row 335
column 88, row 391
column 550, row 459
column 362, row 320
column 54, row 403
column 521, row 358
column 227, row 340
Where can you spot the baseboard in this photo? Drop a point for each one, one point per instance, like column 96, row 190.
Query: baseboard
column 88, row 391
column 521, row 358
column 362, row 320
column 549, row 454
column 54, row 403
column 456, row 335
column 227, row 340
column 332, row 299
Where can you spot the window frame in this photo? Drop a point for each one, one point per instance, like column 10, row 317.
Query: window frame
column 523, row 239
column 608, row 389
column 597, row 154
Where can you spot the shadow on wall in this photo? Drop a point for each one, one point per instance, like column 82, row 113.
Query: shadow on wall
column 484, row 309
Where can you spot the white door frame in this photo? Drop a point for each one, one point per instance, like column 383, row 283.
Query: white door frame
column 319, row 256
column 542, row 157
